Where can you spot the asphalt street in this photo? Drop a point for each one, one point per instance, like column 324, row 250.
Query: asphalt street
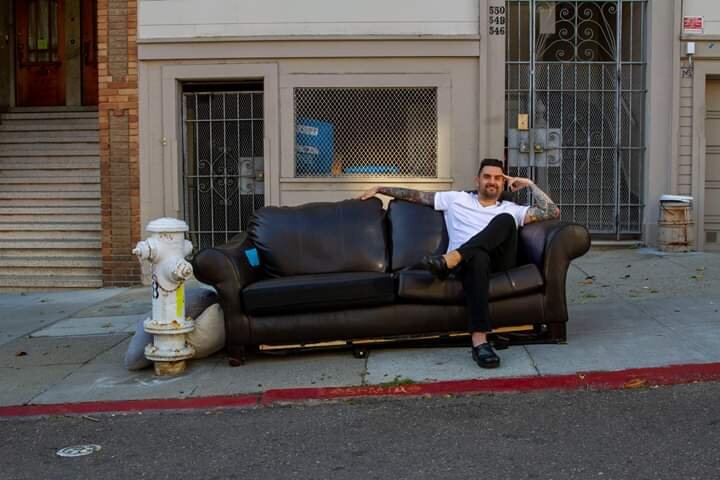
column 659, row 433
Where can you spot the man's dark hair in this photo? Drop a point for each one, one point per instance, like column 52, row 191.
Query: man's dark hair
column 491, row 162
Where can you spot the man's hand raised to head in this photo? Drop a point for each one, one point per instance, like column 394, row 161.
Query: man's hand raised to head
column 517, row 183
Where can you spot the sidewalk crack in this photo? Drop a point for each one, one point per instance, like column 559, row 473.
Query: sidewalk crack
column 532, row 360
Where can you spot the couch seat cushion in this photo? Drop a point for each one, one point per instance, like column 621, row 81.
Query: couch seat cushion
column 419, row 285
column 319, row 292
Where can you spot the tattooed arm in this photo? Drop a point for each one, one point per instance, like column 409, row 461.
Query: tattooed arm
column 543, row 207
column 415, row 196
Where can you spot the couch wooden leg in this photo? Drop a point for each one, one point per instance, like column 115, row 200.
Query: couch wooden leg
column 558, row 332
column 236, row 356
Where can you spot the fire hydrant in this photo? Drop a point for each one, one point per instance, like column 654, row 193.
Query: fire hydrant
column 166, row 250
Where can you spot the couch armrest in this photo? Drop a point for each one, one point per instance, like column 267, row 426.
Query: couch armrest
column 552, row 245
column 227, row 269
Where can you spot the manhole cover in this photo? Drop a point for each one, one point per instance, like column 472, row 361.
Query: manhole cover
column 78, row 450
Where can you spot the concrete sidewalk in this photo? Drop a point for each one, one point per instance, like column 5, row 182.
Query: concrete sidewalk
column 629, row 308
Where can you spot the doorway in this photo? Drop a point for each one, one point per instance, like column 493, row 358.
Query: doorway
column 56, row 53
column 575, row 107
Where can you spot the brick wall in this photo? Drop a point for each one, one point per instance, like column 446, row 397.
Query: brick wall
column 118, row 110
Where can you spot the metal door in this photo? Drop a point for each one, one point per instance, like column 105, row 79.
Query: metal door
column 575, row 106
column 223, row 163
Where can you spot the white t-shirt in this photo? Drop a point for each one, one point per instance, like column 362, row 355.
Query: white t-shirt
column 465, row 216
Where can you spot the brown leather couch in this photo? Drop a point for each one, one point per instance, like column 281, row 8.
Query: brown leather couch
column 344, row 271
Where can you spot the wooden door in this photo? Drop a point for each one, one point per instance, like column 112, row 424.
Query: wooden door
column 40, row 48
column 89, row 53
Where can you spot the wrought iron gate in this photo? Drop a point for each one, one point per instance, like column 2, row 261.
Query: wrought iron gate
column 223, row 174
column 575, row 106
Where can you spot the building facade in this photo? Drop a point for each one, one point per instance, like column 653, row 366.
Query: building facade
column 209, row 110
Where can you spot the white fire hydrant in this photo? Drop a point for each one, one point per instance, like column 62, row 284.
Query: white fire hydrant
column 166, row 249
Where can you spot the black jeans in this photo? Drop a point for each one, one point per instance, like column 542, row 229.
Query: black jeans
column 494, row 249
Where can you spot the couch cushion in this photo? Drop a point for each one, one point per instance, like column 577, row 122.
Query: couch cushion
column 415, row 230
column 419, row 285
column 347, row 236
column 319, row 291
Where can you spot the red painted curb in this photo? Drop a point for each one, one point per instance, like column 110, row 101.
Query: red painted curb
column 622, row 379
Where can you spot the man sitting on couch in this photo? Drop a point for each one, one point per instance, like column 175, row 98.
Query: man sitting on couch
column 482, row 232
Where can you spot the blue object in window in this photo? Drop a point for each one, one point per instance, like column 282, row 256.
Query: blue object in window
column 314, row 147
column 371, row 169
column 252, row 256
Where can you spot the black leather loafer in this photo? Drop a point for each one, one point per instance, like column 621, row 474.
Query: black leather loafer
column 485, row 356
column 436, row 265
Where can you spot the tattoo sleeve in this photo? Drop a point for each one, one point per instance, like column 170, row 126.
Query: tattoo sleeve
column 543, row 207
column 415, row 196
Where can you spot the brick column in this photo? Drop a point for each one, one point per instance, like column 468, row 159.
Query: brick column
column 118, row 111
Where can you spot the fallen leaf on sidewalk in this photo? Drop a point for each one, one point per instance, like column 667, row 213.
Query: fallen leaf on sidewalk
column 636, row 383
column 20, row 354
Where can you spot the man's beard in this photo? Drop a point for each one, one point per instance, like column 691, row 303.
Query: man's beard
column 493, row 194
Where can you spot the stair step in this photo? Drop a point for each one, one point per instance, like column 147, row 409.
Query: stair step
column 51, row 262
column 55, row 272
column 28, row 282
column 40, row 235
column 68, row 244
column 89, row 178
column 63, row 108
column 35, row 203
column 32, row 217
column 6, row 226
column 50, row 211
column 87, row 174
column 72, row 136
column 57, row 163
column 50, row 194
column 37, row 187
column 59, row 253
column 60, row 124
column 50, row 149
column 36, row 115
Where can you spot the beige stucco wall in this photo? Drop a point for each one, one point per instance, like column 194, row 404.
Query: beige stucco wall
column 164, row 19
column 708, row 9
column 452, row 65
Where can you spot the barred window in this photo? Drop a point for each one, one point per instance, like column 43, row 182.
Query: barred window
column 363, row 132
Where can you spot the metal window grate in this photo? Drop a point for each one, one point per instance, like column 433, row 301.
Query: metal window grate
column 369, row 131
column 223, row 163
column 576, row 70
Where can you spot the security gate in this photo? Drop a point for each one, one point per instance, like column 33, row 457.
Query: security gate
column 223, row 168
column 575, row 106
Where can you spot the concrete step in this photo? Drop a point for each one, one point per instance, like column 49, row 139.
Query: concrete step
column 70, row 136
column 49, row 244
column 50, row 211
column 68, row 108
column 50, row 163
column 34, row 179
column 58, row 253
column 47, row 187
column 40, row 235
column 51, row 262
column 40, row 115
column 50, row 149
column 55, row 272
column 50, row 195
column 11, row 226
column 36, row 203
column 60, row 124
column 87, row 174
column 9, row 283
column 29, row 216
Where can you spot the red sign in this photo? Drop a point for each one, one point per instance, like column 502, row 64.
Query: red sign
column 693, row 24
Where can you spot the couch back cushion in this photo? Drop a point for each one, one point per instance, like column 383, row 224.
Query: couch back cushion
column 347, row 236
column 415, row 230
